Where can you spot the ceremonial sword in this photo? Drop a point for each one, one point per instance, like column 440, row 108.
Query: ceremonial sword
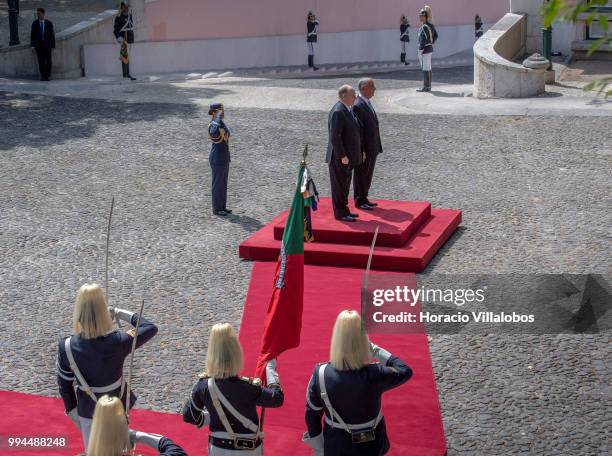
column 129, row 381
column 108, row 231
column 364, row 287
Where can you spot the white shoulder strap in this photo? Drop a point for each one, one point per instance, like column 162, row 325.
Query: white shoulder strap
column 218, row 398
column 325, row 397
column 83, row 384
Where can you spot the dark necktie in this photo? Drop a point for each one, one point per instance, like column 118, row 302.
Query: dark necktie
column 42, row 29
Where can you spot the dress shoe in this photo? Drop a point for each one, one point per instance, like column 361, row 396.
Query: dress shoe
column 366, row 207
column 347, row 218
column 229, row 211
column 370, row 203
column 354, row 215
column 221, row 213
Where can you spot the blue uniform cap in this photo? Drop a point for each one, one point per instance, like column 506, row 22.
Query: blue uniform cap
column 215, row 107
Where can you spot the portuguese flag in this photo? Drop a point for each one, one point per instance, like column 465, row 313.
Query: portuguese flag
column 283, row 321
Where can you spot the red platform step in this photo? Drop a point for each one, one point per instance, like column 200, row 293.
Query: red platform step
column 396, row 221
column 413, row 256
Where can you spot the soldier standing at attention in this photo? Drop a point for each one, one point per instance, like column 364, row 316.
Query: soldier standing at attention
column 123, row 30
column 427, row 38
column 404, row 37
column 312, row 25
column 219, row 158
column 478, row 27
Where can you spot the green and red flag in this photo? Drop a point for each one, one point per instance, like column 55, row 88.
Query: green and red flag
column 283, row 322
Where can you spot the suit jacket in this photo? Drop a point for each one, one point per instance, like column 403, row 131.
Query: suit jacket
column 344, row 136
column 37, row 40
column 368, row 119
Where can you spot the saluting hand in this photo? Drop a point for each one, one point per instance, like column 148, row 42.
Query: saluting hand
column 344, row 160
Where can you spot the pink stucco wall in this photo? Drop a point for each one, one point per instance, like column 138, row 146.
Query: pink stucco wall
column 206, row 19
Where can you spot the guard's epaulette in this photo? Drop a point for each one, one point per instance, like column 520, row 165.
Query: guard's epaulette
column 252, row 380
column 131, row 332
column 203, row 375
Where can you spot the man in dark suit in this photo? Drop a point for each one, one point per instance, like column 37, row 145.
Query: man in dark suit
column 344, row 152
column 42, row 39
column 362, row 177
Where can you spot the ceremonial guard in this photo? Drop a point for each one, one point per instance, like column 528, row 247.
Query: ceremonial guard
column 219, row 158
column 90, row 362
column 346, row 392
column 344, row 151
column 404, row 37
column 124, row 34
column 370, row 144
column 110, row 435
column 427, row 38
column 312, row 26
column 228, row 403
column 478, row 27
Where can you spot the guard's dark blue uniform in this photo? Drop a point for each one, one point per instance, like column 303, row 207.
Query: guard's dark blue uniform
column 356, row 396
column 167, row 447
column 244, row 393
column 219, row 160
column 100, row 361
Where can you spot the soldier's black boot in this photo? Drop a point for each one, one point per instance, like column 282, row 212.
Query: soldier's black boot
column 428, row 87
column 124, row 70
column 425, row 79
column 310, row 61
column 403, row 58
column 127, row 67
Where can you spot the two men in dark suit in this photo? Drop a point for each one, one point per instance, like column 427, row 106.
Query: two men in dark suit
column 42, row 40
column 371, row 144
column 344, row 151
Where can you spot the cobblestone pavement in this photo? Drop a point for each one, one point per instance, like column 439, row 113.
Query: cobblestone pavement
column 535, row 192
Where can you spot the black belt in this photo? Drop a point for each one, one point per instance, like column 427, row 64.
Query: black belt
column 238, row 444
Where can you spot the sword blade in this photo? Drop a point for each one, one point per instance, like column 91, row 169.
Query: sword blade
column 366, row 277
column 129, row 381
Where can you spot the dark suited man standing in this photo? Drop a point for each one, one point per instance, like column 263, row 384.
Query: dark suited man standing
column 42, row 39
column 362, row 176
column 344, row 151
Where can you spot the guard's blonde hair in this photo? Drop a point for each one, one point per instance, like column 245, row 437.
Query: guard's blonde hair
column 427, row 8
column 350, row 347
column 224, row 354
column 109, row 430
column 91, row 317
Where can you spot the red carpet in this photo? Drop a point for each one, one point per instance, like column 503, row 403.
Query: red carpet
column 39, row 416
column 397, row 221
column 412, row 410
column 413, row 256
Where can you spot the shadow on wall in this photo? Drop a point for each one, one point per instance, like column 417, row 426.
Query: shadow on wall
column 77, row 118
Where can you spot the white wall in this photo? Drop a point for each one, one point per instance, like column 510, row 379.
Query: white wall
column 232, row 53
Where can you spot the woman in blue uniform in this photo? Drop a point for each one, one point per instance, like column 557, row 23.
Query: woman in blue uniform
column 404, row 37
column 219, row 158
column 312, row 27
column 90, row 362
column 427, row 38
column 346, row 393
column 478, row 27
column 110, row 435
column 228, row 403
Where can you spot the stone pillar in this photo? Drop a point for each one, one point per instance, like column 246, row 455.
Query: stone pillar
column 534, row 22
column 140, row 25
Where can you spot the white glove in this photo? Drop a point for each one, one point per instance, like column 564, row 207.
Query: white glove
column 120, row 40
column 74, row 417
column 316, row 443
column 380, row 353
column 272, row 377
column 150, row 440
column 122, row 314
